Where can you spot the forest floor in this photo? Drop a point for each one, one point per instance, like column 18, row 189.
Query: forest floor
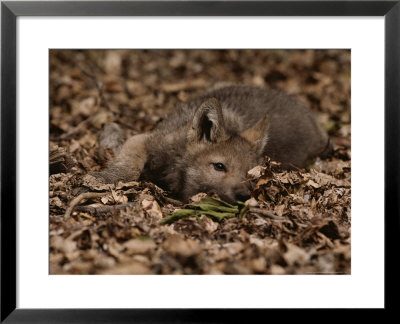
column 299, row 221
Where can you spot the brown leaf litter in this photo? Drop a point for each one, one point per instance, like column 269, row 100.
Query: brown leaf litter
column 298, row 221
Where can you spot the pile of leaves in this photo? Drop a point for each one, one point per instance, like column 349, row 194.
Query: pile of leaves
column 297, row 222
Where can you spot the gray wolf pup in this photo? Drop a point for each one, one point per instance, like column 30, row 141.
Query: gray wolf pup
column 209, row 143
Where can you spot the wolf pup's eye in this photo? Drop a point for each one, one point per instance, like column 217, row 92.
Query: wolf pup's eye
column 219, row 166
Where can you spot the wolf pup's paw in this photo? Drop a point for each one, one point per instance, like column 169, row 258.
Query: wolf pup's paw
column 111, row 139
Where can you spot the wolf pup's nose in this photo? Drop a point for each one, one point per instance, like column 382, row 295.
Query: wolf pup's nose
column 242, row 194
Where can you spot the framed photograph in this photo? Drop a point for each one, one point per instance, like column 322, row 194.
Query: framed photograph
column 163, row 158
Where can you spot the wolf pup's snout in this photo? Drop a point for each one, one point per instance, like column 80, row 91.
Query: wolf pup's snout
column 242, row 193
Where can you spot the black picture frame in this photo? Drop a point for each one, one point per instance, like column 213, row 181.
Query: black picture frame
column 11, row 10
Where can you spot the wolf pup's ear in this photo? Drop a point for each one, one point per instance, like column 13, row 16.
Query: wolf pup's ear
column 208, row 122
column 258, row 133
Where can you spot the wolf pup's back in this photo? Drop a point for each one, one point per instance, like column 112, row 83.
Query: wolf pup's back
column 209, row 143
column 293, row 135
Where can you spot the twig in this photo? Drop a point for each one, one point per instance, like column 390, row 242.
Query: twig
column 99, row 86
column 76, row 201
column 294, row 167
column 266, row 213
column 101, row 210
column 73, row 131
column 85, row 215
column 173, row 201
column 160, row 195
